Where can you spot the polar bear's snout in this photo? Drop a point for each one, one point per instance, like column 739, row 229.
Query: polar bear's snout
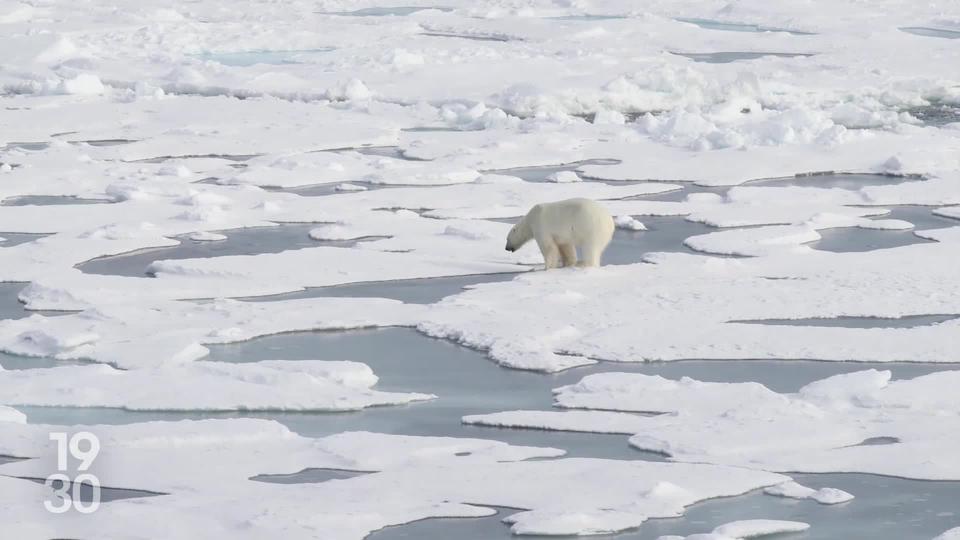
column 519, row 235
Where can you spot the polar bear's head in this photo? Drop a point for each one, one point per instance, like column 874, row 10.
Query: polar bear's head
column 519, row 235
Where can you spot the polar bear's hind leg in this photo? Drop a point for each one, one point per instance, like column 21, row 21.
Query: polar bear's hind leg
column 591, row 256
column 592, row 252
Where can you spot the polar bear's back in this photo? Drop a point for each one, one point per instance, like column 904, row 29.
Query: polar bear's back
column 573, row 220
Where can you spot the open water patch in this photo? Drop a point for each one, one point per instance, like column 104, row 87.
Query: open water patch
column 927, row 31
column 710, row 24
column 104, row 142
column 938, row 114
column 410, row 291
column 49, row 200
column 907, row 321
column 858, row 239
column 832, row 180
column 245, row 241
column 726, row 57
column 15, row 239
column 663, row 234
column 394, row 11
column 308, row 476
column 85, row 491
column 541, row 173
column 500, row 38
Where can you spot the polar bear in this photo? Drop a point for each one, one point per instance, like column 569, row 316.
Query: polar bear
column 563, row 226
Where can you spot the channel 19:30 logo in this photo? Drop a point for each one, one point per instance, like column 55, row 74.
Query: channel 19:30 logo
column 79, row 449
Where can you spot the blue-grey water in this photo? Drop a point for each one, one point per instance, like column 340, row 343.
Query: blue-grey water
column 48, row 200
column 540, row 173
column 31, row 146
column 105, row 142
column 851, row 239
column 851, row 181
column 107, row 494
column 247, row 241
column 909, row 321
column 307, row 476
column 228, row 157
column 395, row 11
column 936, row 114
column 411, row 291
column 931, row 32
column 10, row 306
column 725, row 57
column 13, row 239
column 472, row 37
column 738, row 27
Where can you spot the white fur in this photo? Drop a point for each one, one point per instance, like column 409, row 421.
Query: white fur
column 561, row 227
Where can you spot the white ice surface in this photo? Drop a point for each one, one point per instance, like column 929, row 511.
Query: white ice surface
column 275, row 385
column 752, row 528
column 793, row 490
column 952, row 534
column 629, row 223
column 748, row 528
column 688, row 307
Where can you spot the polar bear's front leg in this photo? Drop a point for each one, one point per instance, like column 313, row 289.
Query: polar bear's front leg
column 551, row 253
column 568, row 254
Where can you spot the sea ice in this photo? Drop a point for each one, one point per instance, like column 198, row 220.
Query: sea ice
column 268, row 385
column 629, row 223
column 794, row 490
column 817, row 429
column 749, row 528
column 952, row 534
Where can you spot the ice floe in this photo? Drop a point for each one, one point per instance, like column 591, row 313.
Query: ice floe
column 623, row 313
column 269, row 385
column 793, row 490
column 820, row 428
column 750, row 528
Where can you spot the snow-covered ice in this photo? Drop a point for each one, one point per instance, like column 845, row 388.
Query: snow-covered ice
column 739, row 530
column 952, row 534
column 269, row 385
column 793, row 490
column 822, row 427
